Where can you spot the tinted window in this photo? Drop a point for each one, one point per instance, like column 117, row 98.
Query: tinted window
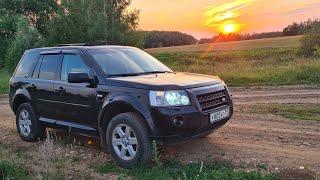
column 127, row 61
column 27, row 63
column 49, row 67
column 72, row 63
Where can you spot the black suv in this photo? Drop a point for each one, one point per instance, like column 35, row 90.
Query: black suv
column 120, row 94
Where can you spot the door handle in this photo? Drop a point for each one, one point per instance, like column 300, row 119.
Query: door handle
column 60, row 90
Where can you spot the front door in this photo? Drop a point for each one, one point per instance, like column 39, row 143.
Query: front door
column 75, row 101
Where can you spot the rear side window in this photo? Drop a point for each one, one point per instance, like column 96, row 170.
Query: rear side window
column 72, row 63
column 49, row 67
column 27, row 64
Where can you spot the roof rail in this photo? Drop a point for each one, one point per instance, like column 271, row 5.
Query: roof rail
column 101, row 43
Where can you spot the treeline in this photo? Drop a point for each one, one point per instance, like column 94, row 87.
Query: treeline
column 301, row 28
column 240, row 37
column 28, row 24
column 153, row 39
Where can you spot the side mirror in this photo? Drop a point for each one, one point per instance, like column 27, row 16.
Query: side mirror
column 77, row 77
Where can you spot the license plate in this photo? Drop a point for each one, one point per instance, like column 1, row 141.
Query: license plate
column 217, row 116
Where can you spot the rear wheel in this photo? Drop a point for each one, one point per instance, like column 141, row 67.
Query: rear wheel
column 28, row 125
column 128, row 140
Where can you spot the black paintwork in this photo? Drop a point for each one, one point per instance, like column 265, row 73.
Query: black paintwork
column 81, row 107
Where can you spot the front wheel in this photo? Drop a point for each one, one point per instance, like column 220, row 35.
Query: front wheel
column 128, row 140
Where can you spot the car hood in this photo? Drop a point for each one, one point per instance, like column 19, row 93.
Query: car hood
column 164, row 81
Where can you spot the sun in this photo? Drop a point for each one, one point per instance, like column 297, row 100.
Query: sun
column 229, row 28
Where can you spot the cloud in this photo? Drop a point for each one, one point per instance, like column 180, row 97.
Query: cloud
column 308, row 7
column 217, row 15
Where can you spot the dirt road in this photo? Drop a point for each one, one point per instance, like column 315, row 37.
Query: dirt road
column 248, row 140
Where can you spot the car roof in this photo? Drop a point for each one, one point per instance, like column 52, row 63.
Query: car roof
column 62, row 47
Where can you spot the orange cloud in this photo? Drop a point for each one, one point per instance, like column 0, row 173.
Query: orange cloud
column 222, row 15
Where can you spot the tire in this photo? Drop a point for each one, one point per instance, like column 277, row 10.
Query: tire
column 28, row 125
column 117, row 144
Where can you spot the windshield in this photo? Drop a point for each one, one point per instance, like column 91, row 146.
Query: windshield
column 127, row 61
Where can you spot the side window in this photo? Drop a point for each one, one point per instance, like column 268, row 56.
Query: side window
column 72, row 63
column 49, row 67
column 27, row 63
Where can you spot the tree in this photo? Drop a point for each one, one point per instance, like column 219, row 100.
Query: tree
column 37, row 12
column 294, row 29
column 27, row 37
column 8, row 28
column 310, row 42
column 94, row 20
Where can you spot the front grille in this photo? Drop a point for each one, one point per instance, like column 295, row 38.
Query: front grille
column 213, row 100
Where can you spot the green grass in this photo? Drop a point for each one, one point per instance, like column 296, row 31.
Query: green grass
column 4, row 81
column 8, row 170
column 175, row 170
column 280, row 66
column 290, row 111
column 10, row 163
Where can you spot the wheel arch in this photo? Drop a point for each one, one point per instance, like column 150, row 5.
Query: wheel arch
column 20, row 97
column 121, row 104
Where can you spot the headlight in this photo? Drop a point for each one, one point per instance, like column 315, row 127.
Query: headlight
column 169, row 98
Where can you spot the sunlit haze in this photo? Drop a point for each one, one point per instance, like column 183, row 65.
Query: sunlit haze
column 204, row 18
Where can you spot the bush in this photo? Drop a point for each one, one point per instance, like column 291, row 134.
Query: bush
column 310, row 42
column 26, row 38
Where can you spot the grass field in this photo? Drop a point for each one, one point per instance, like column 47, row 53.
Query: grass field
column 291, row 111
column 273, row 61
column 280, row 42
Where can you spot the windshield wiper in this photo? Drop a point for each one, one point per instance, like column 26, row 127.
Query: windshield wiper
column 138, row 74
column 125, row 75
column 157, row 72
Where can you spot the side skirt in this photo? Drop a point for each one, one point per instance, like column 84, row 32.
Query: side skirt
column 69, row 126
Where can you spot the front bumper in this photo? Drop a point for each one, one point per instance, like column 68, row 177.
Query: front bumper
column 176, row 124
column 192, row 124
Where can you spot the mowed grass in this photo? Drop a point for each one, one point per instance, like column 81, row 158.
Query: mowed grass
column 291, row 111
column 4, row 81
column 280, row 42
column 255, row 67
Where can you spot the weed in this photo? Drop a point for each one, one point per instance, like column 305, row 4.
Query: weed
column 156, row 155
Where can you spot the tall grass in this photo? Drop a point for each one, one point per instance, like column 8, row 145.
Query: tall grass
column 4, row 81
column 281, row 66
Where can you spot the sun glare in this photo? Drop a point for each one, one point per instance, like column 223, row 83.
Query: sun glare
column 229, row 28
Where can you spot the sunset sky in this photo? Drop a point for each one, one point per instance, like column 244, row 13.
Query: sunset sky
column 204, row 18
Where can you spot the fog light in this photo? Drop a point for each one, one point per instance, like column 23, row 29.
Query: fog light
column 178, row 121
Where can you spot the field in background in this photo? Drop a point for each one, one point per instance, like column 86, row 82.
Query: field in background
column 281, row 42
column 273, row 61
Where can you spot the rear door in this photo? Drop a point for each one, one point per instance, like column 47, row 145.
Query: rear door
column 41, row 88
column 75, row 100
